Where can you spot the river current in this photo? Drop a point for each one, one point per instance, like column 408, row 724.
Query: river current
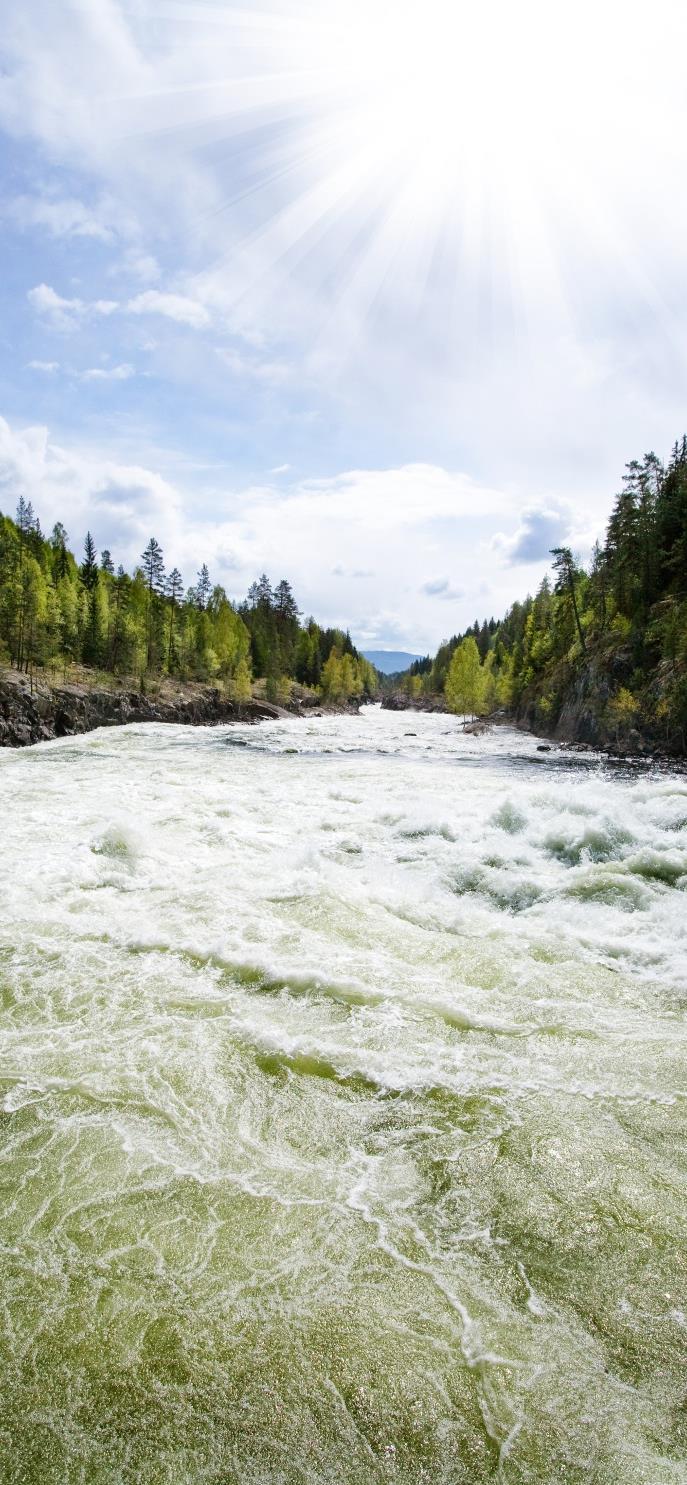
column 343, row 1109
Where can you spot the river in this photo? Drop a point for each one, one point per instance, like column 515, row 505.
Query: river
column 343, row 1116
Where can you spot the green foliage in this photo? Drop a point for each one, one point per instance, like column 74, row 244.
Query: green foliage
column 465, row 679
column 54, row 611
column 412, row 684
column 622, row 710
column 545, row 707
column 620, row 627
column 346, row 676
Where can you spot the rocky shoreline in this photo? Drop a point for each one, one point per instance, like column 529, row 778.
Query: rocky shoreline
column 40, row 712
column 578, row 731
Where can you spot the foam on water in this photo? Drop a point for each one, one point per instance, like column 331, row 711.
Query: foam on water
column 343, row 1117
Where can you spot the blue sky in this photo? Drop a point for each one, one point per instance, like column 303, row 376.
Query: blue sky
column 378, row 297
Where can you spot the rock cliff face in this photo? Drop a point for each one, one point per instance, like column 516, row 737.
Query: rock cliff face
column 583, row 719
column 397, row 701
column 47, row 712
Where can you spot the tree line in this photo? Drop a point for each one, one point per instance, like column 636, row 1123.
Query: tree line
column 615, row 630
column 56, row 611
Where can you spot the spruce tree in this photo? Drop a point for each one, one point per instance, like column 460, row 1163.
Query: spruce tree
column 89, row 567
column 564, row 567
column 154, row 575
column 174, row 590
column 203, row 587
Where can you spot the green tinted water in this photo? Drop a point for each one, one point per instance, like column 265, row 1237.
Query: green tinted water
column 343, row 1130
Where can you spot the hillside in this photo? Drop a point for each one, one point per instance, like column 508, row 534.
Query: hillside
column 391, row 662
column 57, row 614
column 599, row 654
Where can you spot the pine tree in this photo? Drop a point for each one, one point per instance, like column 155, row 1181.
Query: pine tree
column 25, row 519
column 92, row 641
column 59, row 541
column 286, row 616
column 174, row 590
column 264, row 594
column 203, row 587
column 154, row 575
column 284, row 602
column 153, row 566
column 89, row 567
column 566, row 571
column 120, row 639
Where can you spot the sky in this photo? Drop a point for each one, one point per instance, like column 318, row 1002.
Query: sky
column 379, row 297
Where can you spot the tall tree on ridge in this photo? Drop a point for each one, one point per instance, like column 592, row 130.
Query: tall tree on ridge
column 203, row 587
column 58, row 542
column 89, row 567
column 154, row 574
column 174, row 589
column 564, row 567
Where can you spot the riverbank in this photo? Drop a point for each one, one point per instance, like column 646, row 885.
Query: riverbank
column 38, row 712
column 577, row 729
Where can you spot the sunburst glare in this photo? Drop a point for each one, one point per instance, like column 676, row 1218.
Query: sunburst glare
column 425, row 158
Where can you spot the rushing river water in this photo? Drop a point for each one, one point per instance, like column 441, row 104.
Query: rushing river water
column 343, row 1130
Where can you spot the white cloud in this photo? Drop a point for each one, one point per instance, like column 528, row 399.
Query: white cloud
column 62, row 314
column 121, row 373
column 177, row 307
column 121, row 503
column 271, row 372
column 540, row 528
column 381, row 622
column 556, row 312
column 66, row 314
column 138, row 264
column 60, row 216
column 381, row 531
column 389, row 499
column 441, row 588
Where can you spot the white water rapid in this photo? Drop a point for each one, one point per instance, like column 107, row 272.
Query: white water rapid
column 343, row 1120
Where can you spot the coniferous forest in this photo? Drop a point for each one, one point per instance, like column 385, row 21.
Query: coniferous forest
column 57, row 612
column 611, row 637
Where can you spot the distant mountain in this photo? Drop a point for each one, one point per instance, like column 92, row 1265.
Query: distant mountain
column 390, row 661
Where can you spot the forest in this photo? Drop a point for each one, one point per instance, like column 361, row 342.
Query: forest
column 612, row 635
column 57, row 613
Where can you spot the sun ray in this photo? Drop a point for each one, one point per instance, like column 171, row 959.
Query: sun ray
column 412, row 159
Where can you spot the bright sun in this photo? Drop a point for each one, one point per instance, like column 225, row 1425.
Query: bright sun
column 428, row 120
column 399, row 151
column 435, row 88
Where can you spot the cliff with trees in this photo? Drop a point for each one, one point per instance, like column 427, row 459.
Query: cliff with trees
column 599, row 653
